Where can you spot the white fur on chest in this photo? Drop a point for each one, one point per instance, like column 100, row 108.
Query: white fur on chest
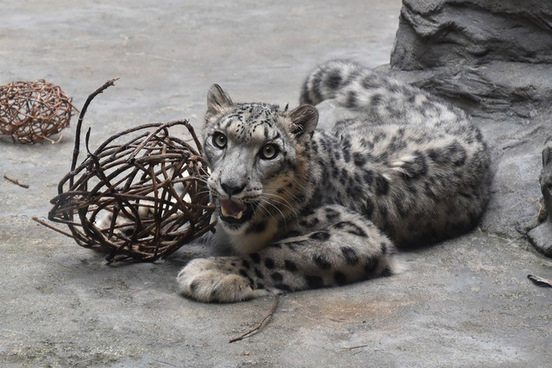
column 247, row 243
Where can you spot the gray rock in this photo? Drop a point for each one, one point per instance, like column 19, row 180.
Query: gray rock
column 494, row 55
column 435, row 33
column 541, row 238
column 546, row 181
column 541, row 235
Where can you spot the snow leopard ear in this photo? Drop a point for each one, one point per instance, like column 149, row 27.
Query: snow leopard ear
column 304, row 120
column 217, row 100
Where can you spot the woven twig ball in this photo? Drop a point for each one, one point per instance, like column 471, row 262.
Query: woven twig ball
column 33, row 111
column 142, row 194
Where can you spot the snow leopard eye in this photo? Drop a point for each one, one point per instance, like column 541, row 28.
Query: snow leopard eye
column 219, row 140
column 269, row 151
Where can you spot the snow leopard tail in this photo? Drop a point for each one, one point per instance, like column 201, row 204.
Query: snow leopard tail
column 384, row 98
column 353, row 85
column 326, row 81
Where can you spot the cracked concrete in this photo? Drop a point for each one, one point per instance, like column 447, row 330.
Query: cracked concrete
column 465, row 302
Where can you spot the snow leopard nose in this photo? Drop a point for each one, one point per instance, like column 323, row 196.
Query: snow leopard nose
column 232, row 189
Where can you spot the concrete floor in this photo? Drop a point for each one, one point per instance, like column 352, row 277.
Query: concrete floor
column 464, row 303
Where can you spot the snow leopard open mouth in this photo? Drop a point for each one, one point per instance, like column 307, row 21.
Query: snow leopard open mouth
column 235, row 212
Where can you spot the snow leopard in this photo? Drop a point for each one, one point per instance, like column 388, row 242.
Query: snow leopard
column 305, row 208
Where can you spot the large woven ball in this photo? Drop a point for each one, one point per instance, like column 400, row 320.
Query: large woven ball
column 142, row 194
column 31, row 112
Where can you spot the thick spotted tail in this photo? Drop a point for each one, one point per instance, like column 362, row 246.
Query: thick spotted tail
column 325, row 82
column 384, row 99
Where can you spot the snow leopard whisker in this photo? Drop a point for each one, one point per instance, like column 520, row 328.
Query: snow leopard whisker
column 280, row 201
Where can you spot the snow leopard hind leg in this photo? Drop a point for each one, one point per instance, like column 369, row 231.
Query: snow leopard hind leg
column 430, row 162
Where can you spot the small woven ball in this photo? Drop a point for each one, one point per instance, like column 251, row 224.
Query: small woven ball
column 31, row 112
column 142, row 194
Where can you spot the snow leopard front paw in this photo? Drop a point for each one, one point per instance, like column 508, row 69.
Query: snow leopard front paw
column 215, row 280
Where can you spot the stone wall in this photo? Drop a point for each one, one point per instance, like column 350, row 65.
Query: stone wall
column 490, row 54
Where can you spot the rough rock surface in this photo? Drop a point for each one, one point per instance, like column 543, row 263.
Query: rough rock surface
column 494, row 58
column 493, row 54
column 541, row 236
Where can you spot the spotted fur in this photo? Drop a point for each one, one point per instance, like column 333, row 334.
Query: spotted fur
column 329, row 207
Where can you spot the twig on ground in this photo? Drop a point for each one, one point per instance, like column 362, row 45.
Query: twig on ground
column 540, row 281
column 355, row 347
column 15, row 181
column 260, row 324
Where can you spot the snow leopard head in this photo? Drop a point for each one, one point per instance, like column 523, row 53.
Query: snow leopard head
column 258, row 158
